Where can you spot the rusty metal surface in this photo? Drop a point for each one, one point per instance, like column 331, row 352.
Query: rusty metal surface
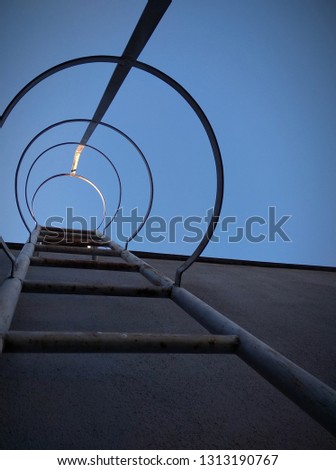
column 92, row 289
column 88, row 342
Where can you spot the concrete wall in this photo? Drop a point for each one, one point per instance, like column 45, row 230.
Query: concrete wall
column 169, row 401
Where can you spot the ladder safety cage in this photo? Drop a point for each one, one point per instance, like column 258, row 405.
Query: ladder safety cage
column 224, row 336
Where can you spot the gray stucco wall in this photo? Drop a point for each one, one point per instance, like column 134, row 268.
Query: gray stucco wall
column 169, row 401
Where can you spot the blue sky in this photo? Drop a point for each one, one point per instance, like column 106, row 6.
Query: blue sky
column 262, row 70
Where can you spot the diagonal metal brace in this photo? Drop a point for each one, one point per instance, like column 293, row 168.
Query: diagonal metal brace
column 151, row 16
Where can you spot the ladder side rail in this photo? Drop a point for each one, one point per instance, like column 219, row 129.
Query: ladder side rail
column 309, row 393
column 11, row 288
column 150, row 273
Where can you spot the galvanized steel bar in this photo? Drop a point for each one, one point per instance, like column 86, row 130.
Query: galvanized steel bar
column 83, row 264
column 44, row 287
column 10, row 289
column 88, row 342
column 309, row 393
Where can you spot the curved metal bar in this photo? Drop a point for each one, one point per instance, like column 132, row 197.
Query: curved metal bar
column 59, row 175
column 189, row 99
column 72, row 143
column 118, row 131
column 9, row 255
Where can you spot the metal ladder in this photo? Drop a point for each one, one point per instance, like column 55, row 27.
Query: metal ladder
column 225, row 337
column 77, row 242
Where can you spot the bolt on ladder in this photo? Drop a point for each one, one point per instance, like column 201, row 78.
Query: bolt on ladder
column 312, row 395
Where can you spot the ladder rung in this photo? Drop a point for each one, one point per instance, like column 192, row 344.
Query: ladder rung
column 76, row 250
column 85, row 342
column 92, row 289
column 71, row 235
column 83, row 264
column 61, row 230
column 69, row 241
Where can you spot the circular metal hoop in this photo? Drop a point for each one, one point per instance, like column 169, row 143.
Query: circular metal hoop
column 192, row 103
column 72, row 143
column 82, row 178
column 109, row 126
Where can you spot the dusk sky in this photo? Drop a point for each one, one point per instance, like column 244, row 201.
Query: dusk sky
column 264, row 73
